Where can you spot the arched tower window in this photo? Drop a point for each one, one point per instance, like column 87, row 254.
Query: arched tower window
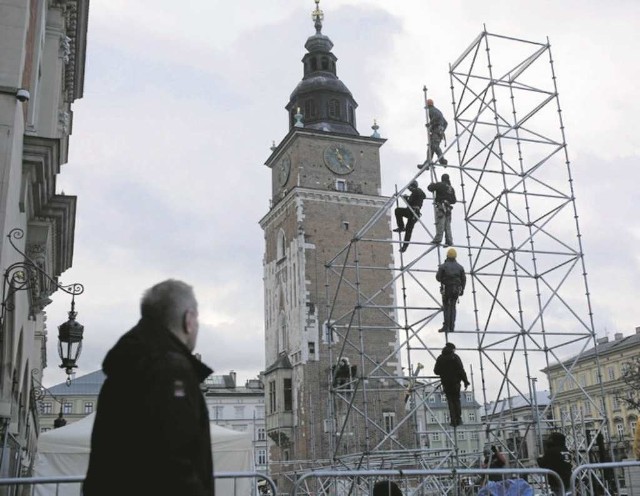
column 334, row 109
column 310, row 109
column 314, row 64
column 325, row 63
column 281, row 245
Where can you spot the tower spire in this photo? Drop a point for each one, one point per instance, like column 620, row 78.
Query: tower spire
column 325, row 102
column 317, row 15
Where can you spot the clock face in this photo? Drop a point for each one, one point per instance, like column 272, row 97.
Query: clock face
column 283, row 169
column 339, row 159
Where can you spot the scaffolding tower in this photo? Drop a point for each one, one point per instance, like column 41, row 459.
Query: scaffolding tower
column 527, row 303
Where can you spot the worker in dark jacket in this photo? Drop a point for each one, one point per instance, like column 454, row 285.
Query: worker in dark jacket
column 557, row 458
column 445, row 197
column 451, row 371
column 452, row 281
column 151, row 432
column 411, row 212
column 436, row 127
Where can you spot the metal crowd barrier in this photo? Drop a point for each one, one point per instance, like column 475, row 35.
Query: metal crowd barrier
column 399, row 475
column 77, row 479
column 581, row 472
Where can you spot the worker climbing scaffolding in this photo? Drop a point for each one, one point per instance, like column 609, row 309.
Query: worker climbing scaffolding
column 411, row 212
column 453, row 280
column 436, row 127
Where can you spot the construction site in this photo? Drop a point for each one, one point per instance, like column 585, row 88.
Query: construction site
column 526, row 307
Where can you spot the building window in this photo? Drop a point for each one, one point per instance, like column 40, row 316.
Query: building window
column 432, row 398
column 474, row 435
column 216, row 412
column 615, row 404
column 309, row 109
column 447, row 418
column 262, row 457
column 611, row 373
column 88, row 407
column 389, row 419
column 461, row 435
column 435, row 436
column 261, row 434
column 272, row 396
column 66, row 408
column 472, row 416
column 260, row 411
column 341, row 185
column 582, row 380
column 312, row 348
column 434, row 419
column 239, row 412
column 288, row 395
column 47, row 408
column 468, row 396
column 620, row 429
column 280, row 248
column 334, row 109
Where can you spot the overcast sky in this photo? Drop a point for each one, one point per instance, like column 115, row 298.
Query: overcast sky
column 183, row 100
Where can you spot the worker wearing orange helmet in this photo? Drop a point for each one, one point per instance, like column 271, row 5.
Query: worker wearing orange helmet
column 436, row 127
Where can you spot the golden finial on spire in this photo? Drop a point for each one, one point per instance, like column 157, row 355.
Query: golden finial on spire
column 317, row 15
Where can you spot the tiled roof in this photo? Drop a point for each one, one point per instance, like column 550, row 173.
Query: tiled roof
column 85, row 385
column 612, row 346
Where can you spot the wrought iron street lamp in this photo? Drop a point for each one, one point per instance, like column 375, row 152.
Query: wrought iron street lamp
column 28, row 275
column 70, row 341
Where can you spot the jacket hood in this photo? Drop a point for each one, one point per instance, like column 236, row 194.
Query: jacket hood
column 143, row 344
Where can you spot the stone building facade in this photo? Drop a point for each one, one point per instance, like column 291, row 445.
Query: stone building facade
column 42, row 60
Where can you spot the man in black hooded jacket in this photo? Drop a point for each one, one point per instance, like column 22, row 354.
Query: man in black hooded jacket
column 451, row 371
column 151, row 432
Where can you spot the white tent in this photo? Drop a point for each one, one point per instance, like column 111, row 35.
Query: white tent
column 65, row 451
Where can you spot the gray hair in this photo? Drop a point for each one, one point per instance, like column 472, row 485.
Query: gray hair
column 167, row 302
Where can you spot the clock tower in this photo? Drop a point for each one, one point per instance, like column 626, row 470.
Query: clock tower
column 325, row 188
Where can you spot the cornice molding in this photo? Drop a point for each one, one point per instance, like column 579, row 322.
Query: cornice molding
column 325, row 196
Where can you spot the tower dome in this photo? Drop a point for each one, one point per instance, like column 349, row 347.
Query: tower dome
column 323, row 100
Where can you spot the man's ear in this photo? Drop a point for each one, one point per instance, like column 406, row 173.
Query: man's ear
column 188, row 321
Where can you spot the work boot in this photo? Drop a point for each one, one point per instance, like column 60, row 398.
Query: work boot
column 434, row 242
column 403, row 248
column 399, row 229
column 448, row 243
column 442, row 329
column 443, row 161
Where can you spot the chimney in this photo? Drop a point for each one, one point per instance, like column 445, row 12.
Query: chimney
column 603, row 340
column 232, row 373
column 618, row 336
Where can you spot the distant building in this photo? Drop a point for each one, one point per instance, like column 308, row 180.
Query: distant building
column 604, row 386
column 433, row 420
column 75, row 401
column 240, row 408
column 517, row 426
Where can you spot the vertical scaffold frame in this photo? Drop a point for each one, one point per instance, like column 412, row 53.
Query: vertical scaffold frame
column 527, row 303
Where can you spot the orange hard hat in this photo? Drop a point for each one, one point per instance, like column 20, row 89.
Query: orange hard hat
column 429, row 102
